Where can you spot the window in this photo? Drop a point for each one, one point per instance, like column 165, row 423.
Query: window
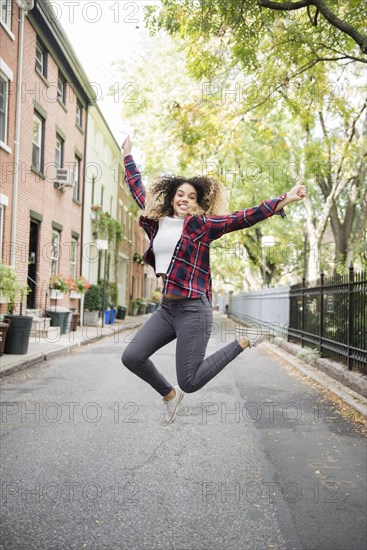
column 3, row 109
column 37, row 144
column 61, row 88
column 59, row 152
column 79, row 115
column 77, row 164
column 41, row 59
column 73, row 257
column 55, row 253
column 6, row 9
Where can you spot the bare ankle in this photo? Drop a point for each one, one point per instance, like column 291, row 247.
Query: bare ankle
column 170, row 395
column 244, row 343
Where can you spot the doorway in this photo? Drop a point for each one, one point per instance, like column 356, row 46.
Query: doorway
column 32, row 264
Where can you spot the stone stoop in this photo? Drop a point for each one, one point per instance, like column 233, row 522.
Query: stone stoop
column 41, row 326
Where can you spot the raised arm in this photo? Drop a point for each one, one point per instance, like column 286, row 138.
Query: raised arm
column 132, row 174
column 219, row 225
column 297, row 193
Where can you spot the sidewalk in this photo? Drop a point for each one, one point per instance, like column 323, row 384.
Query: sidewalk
column 42, row 349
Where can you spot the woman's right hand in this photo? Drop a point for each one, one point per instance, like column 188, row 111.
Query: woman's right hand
column 127, row 146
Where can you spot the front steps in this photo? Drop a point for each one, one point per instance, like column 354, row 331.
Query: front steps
column 41, row 326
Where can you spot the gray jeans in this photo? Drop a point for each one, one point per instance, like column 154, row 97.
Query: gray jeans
column 190, row 320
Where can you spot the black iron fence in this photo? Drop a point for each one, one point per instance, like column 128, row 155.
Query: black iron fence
column 332, row 316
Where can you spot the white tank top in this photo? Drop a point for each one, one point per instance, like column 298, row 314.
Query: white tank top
column 165, row 241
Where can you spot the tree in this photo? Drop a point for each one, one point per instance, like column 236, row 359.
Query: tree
column 179, row 131
column 303, row 63
column 255, row 31
column 321, row 8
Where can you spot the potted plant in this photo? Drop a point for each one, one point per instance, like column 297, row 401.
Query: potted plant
column 135, row 306
column 92, row 304
column 101, row 224
column 19, row 329
column 58, row 286
column 155, row 300
column 95, row 210
column 142, row 306
column 77, row 287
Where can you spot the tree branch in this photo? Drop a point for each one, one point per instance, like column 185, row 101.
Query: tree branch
column 334, row 20
column 313, row 20
column 360, row 39
column 350, row 139
column 284, row 6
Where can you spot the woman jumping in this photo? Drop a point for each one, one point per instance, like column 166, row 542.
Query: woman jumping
column 182, row 217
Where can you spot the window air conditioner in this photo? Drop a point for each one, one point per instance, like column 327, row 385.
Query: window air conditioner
column 63, row 178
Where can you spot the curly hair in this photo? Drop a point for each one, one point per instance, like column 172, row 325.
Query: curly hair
column 212, row 196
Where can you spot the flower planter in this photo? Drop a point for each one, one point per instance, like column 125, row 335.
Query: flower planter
column 56, row 294
column 75, row 295
column 142, row 308
column 17, row 338
column 151, row 307
column 90, row 317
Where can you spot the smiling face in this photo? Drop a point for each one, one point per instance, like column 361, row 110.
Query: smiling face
column 184, row 200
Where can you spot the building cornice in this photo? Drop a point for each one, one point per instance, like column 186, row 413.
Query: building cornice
column 48, row 28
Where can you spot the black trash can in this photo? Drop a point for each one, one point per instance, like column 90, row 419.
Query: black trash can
column 121, row 312
column 59, row 319
column 17, row 338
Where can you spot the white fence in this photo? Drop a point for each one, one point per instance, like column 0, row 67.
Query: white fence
column 268, row 307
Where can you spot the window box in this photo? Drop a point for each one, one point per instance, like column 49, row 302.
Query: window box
column 56, row 294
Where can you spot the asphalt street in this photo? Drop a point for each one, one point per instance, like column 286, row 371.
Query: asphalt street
column 259, row 458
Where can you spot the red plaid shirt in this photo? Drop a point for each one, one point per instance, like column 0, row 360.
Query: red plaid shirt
column 188, row 274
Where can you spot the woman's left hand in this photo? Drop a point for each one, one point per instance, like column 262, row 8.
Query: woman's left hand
column 297, row 193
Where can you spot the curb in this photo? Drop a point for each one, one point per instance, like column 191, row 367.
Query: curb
column 350, row 386
column 349, row 396
column 42, row 356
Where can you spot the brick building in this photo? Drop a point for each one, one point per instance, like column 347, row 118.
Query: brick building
column 45, row 98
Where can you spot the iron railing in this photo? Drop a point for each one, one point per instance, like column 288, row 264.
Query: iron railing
column 332, row 316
